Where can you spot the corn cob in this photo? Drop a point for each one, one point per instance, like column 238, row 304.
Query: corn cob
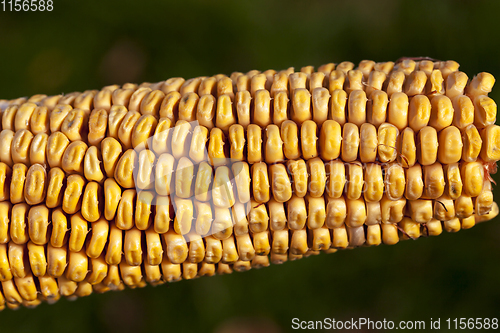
column 153, row 183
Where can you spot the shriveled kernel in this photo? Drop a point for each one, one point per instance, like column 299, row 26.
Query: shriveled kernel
column 37, row 259
column 415, row 83
column 56, row 260
column 407, row 148
column 316, row 212
column 8, row 117
column 377, row 108
column 132, row 248
column 39, row 120
column 410, row 228
column 188, row 106
column 27, row 289
column 389, row 233
column 243, row 100
column 336, row 178
column 163, row 174
column 453, row 180
column 455, row 84
column 434, row 227
column 115, row 245
column 85, row 100
column 397, row 111
column 354, row 184
column 464, row 207
column 20, row 146
column 241, row 174
column 124, row 171
column 301, row 105
column 5, row 212
column 373, row 189
column 444, row 209
column 98, row 123
column 434, row 183
column 74, row 125
column 143, row 131
column 216, row 149
column 38, row 149
column 6, row 137
column 394, row 82
column 472, row 143
column 203, row 184
column 260, row 182
column 116, row 116
column 375, row 82
column 143, row 217
column 420, row 211
column 125, row 130
column 77, row 266
column 289, row 135
column 98, row 238
column 281, row 185
column 464, row 111
column 78, row 233
column 151, row 103
column 38, row 222
column 490, row 150
column 419, row 112
column 5, row 177
column 317, row 179
column 407, row 66
column 368, row 143
column 345, row 66
column 350, row 142
column 262, row 108
column 427, row 145
column 297, row 214
column 472, row 177
column 442, row 112
column 176, row 247
column 72, row 197
column 273, row 147
column 18, row 223
column 73, row 157
column 336, row 80
column 338, row 103
column 336, row 213
column 17, row 183
column 262, row 244
column 162, row 214
column 137, row 97
column 309, row 138
column 280, row 107
column 59, row 228
column 57, row 116
column 183, row 215
column 111, row 151
column 124, row 218
column 92, row 202
column 387, row 139
column 395, row 181
column 339, row 239
column 357, row 107
column 224, row 116
column 320, row 102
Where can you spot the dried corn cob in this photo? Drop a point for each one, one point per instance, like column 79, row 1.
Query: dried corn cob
column 160, row 182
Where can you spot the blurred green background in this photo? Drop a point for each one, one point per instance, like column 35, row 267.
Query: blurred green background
column 87, row 44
